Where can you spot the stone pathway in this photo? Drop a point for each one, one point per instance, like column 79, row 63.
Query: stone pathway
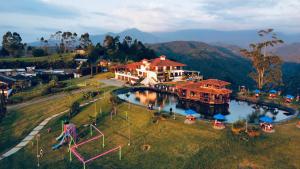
column 35, row 131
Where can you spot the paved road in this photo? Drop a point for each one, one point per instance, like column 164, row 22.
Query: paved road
column 42, row 99
column 35, row 131
column 107, row 82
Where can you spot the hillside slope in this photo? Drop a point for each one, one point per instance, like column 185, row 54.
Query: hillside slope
column 289, row 52
column 211, row 61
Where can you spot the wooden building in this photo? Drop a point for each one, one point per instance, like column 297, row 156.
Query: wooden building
column 211, row 91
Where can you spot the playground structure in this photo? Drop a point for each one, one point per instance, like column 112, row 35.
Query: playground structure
column 67, row 135
column 72, row 148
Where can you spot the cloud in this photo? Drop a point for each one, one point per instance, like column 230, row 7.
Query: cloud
column 156, row 15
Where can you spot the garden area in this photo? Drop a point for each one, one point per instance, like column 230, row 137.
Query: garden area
column 163, row 143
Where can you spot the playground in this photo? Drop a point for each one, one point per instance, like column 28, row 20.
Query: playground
column 168, row 143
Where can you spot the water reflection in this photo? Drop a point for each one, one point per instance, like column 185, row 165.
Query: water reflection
column 233, row 111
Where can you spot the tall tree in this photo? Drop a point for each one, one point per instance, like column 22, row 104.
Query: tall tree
column 267, row 66
column 94, row 55
column 2, row 103
column 12, row 42
column 65, row 40
column 85, row 40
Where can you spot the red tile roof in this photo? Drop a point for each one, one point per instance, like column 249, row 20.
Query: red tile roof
column 214, row 82
column 198, row 87
column 164, row 62
column 154, row 62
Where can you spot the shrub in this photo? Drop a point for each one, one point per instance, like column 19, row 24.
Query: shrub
column 38, row 52
column 74, row 109
column 239, row 124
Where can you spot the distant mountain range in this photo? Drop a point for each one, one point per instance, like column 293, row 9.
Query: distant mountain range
column 233, row 40
column 240, row 38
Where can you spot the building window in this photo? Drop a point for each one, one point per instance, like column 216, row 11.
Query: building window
column 193, row 93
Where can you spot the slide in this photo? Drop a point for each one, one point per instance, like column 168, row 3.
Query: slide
column 57, row 146
column 60, row 136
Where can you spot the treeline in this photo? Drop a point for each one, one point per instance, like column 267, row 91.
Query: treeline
column 112, row 48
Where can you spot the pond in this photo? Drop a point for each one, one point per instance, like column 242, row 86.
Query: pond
column 235, row 110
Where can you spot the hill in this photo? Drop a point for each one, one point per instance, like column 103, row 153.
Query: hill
column 289, row 52
column 211, row 61
column 134, row 33
column 223, row 62
column 240, row 38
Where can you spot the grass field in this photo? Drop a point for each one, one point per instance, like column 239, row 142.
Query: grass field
column 70, row 85
column 50, row 58
column 173, row 144
column 19, row 122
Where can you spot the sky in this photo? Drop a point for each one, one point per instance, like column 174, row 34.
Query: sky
column 36, row 18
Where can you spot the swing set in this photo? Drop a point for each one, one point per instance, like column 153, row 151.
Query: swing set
column 73, row 148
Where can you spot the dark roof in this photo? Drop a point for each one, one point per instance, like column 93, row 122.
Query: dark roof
column 6, row 79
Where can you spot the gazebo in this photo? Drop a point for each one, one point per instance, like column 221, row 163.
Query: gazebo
column 289, row 98
column 266, row 124
column 256, row 92
column 217, row 124
column 272, row 93
column 190, row 116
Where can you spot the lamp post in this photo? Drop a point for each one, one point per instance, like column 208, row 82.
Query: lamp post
column 37, row 150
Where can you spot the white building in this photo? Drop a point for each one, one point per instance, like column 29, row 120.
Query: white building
column 151, row 71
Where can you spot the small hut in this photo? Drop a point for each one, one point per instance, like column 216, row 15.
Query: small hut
column 191, row 116
column 218, row 124
column 256, row 92
column 272, row 93
column 266, row 124
column 289, row 98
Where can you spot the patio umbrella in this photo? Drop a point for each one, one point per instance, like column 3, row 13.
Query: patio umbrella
column 190, row 112
column 219, row 116
column 256, row 91
column 273, row 91
column 266, row 119
column 289, row 96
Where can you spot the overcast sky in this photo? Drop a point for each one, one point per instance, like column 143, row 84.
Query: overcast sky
column 36, row 18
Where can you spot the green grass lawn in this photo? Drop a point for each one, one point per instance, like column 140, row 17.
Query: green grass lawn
column 173, row 144
column 50, row 58
column 72, row 84
column 19, row 122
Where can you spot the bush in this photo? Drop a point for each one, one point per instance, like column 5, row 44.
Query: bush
column 38, row 52
column 239, row 124
column 75, row 109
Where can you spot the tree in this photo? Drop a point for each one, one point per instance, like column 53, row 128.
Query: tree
column 93, row 57
column 38, row 52
column 85, row 41
column 12, row 42
column 267, row 66
column 44, row 44
column 74, row 109
column 65, row 41
column 2, row 103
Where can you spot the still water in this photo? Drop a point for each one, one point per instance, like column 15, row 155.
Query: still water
column 235, row 110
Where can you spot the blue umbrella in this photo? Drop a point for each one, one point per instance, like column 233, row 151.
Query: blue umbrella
column 266, row 119
column 289, row 96
column 256, row 91
column 190, row 112
column 219, row 117
column 273, row 91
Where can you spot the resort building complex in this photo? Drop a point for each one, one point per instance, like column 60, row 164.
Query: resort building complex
column 150, row 72
column 167, row 75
